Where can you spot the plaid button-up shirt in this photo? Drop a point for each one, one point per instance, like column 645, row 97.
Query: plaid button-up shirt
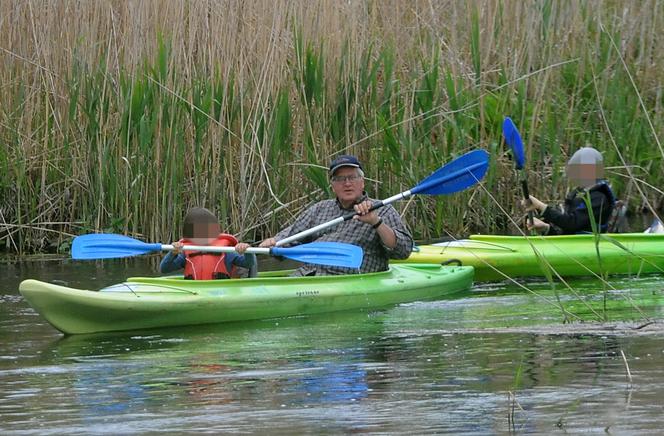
column 376, row 254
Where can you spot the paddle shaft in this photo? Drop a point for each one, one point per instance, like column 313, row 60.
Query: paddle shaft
column 526, row 196
column 513, row 139
column 376, row 205
column 215, row 249
column 461, row 173
column 459, row 169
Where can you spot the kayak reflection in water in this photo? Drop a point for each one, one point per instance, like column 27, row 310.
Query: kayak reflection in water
column 585, row 170
column 201, row 227
column 381, row 232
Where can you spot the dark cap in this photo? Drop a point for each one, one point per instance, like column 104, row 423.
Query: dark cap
column 344, row 160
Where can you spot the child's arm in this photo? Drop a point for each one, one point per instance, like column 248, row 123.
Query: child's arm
column 172, row 262
column 243, row 260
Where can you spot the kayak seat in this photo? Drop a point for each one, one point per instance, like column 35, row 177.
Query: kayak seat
column 253, row 271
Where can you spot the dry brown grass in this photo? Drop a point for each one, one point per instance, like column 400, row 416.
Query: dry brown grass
column 548, row 64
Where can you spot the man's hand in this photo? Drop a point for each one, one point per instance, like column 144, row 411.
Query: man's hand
column 268, row 243
column 363, row 213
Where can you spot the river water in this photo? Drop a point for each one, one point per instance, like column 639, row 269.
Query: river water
column 498, row 360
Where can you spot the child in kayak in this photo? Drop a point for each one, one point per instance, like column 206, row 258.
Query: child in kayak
column 585, row 170
column 201, row 227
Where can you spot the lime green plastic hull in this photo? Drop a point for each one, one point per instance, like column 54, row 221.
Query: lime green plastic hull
column 142, row 303
column 500, row 257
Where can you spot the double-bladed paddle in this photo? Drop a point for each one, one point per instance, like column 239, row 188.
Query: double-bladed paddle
column 461, row 173
column 515, row 143
column 108, row 246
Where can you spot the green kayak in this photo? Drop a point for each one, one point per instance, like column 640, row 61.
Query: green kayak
column 142, row 303
column 500, row 257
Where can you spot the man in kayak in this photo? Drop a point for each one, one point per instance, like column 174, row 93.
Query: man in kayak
column 381, row 233
column 585, row 170
column 201, row 227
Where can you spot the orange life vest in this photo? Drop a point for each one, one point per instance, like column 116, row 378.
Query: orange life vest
column 201, row 265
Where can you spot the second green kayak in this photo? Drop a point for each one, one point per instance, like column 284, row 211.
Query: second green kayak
column 141, row 303
column 501, row 257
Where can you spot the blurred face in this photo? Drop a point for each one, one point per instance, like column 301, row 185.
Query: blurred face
column 348, row 185
column 204, row 233
column 584, row 175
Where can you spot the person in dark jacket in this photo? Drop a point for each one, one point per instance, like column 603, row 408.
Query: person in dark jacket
column 585, row 170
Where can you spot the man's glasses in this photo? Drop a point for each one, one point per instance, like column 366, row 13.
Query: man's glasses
column 343, row 179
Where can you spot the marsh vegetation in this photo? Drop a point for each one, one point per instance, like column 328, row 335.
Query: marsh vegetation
column 118, row 116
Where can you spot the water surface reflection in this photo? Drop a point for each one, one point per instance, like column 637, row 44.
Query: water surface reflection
column 428, row 367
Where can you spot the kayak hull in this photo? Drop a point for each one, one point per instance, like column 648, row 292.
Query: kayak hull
column 143, row 303
column 501, row 257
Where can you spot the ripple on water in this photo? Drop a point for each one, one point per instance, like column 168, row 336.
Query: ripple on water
column 419, row 368
column 11, row 298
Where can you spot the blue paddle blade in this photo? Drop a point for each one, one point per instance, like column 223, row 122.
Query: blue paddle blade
column 323, row 253
column 463, row 172
column 109, row 246
column 514, row 141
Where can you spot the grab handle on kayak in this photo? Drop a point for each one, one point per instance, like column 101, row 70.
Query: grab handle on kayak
column 451, row 261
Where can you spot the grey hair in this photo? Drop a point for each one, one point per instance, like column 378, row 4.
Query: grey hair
column 358, row 171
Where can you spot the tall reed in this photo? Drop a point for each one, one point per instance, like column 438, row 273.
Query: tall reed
column 118, row 116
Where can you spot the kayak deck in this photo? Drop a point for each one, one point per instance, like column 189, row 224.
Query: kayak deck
column 141, row 303
column 501, row 257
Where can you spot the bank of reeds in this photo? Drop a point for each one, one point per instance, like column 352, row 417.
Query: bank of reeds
column 118, row 116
